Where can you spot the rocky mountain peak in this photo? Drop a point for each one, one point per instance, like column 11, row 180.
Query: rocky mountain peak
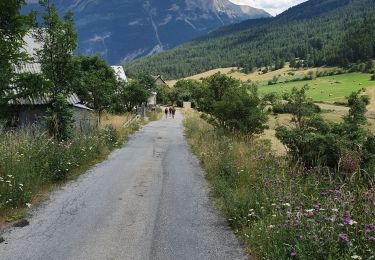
column 124, row 30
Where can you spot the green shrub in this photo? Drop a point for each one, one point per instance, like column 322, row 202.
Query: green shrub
column 232, row 105
column 59, row 119
column 287, row 108
column 346, row 146
column 240, row 111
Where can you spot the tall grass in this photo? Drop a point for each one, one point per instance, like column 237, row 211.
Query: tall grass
column 283, row 211
column 154, row 115
column 31, row 160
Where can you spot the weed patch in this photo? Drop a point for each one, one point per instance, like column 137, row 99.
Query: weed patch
column 282, row 211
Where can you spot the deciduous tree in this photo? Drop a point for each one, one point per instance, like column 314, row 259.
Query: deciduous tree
column 59, row 39
column 94, row 82
column 13, row 28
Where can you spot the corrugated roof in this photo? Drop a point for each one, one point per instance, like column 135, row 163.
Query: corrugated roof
column 159, row 77
column 44, row 100
column 83, row 107
column 33, row 68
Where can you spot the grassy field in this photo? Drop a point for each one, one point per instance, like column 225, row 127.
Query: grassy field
column 327, row 89
column 257, row 76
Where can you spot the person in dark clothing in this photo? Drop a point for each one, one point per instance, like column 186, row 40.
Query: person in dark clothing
column 166, row 112
column 173, row 112
column 170, row 111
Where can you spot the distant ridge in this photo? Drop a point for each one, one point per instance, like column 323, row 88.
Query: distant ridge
column 320, row 32
column 125, row 30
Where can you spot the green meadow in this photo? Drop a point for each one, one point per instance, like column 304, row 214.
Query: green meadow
column 327, row 89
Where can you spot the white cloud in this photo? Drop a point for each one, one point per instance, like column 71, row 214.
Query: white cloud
column 272, row 6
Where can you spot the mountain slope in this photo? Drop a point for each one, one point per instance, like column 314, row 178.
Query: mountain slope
column 124, row 30
column 315, row 31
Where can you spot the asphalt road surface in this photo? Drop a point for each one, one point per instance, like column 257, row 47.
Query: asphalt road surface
column 149, row 200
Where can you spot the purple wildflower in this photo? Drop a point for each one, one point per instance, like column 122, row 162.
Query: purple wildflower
column 317, row 206
column 346, row 220
column 370, row 227
column 345, row 239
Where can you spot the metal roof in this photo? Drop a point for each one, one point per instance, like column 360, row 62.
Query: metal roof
column 83, row 107
column 159, row 77
column 34, row 68
column 45, row 100
column 120, row 73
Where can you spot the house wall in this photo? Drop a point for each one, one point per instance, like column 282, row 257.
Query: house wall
column 83, row 119
column 31, row 115
column 152, row 99
column 186, row 105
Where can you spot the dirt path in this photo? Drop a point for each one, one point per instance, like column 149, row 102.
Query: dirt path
column 149, row 200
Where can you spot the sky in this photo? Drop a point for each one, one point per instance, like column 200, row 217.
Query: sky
column 274, row 7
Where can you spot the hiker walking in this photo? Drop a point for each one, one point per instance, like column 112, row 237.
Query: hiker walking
column 170, row 111
column 166, row 112
column 173, row 112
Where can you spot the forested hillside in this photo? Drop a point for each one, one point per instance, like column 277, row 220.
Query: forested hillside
column 317, row 32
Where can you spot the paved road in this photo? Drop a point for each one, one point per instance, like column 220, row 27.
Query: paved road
column 147, row 201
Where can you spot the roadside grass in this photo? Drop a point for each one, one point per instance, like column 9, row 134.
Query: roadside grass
column 154, row 115
column 279, row 210
column 32, row 164
column 117, row 121
column 326, row 89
